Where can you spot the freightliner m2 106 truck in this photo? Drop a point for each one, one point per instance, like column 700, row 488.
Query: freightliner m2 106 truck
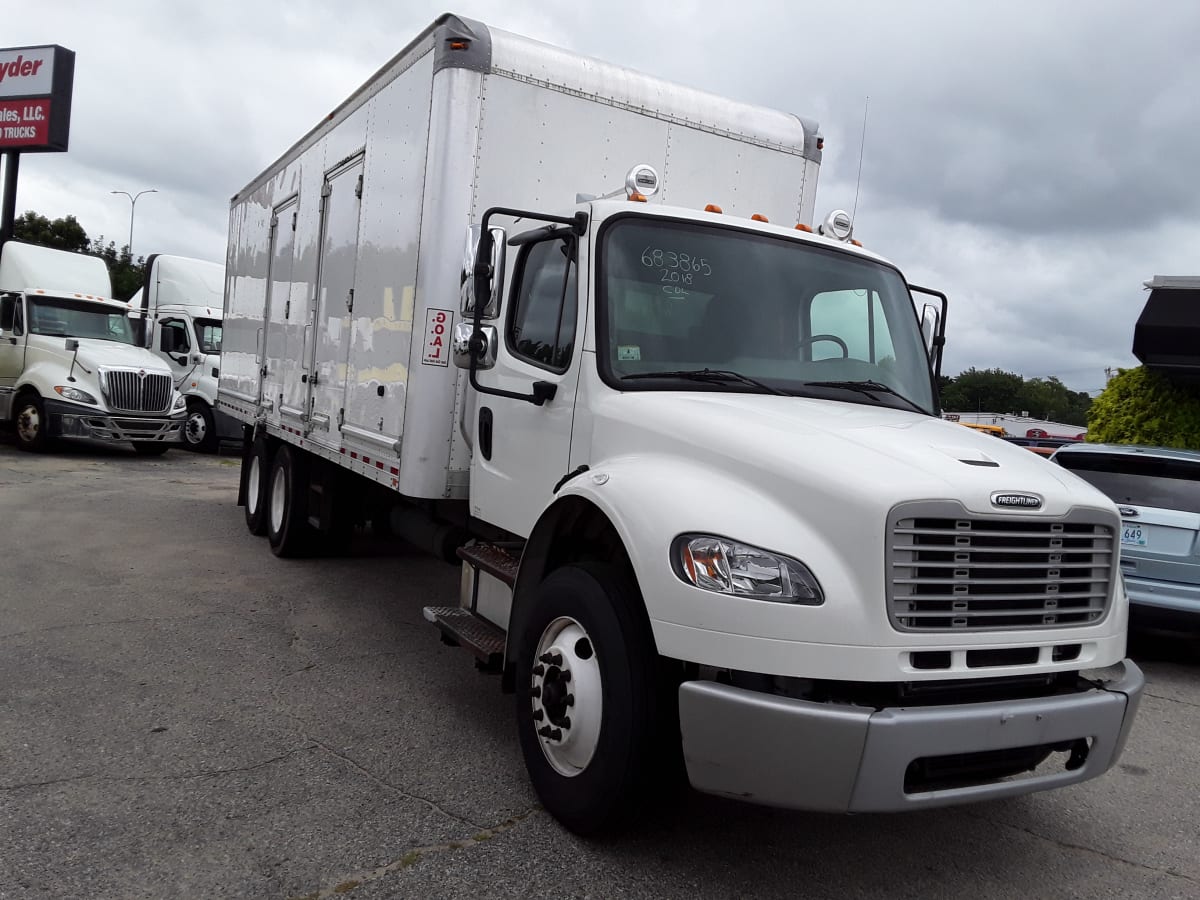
column 69, row 366
column 178, row 316
column 686, row 448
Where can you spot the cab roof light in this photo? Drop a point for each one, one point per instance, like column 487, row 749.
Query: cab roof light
column 759, row 217
column 713, row 208
column 459, row 45
column 637, row 198
column 800, row 226
column 856, row 242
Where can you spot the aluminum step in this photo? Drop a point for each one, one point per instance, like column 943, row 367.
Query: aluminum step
column 496, row 561
column 463, row 628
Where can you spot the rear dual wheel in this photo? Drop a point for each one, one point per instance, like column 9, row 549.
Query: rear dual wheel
column 287, row 508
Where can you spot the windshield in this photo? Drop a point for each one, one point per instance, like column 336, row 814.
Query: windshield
column 678, row 298
column 61, row 317
column 208, row 333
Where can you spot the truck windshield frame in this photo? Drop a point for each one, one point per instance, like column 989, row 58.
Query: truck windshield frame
column 53, row 316
column 673, row 296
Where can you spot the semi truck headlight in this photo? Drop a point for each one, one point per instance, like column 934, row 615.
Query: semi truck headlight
column 727, row 567
column 74, row 394
column 180, row 403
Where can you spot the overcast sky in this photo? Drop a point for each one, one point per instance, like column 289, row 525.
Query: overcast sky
column 1037, row 161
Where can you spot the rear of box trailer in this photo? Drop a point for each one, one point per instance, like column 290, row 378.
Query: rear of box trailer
column 344, row 261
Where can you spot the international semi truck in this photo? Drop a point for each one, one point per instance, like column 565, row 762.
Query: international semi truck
column 177, row 315
column 571, row 327
column 69, row 363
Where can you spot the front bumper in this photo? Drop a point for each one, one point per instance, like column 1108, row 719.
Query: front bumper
column 1167, row 598
column 797, row 754
column 74, row 422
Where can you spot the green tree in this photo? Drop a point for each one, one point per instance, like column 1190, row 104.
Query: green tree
column 997, row 391
column 126, row 273
column 1143, row 407
column 61, row 234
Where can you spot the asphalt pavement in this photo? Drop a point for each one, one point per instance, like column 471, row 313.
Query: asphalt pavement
column 184, row 715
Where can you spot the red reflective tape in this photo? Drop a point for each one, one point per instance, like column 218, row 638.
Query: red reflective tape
column 395, row 471
column 343, row 450
column 353, row 455
column 378, row 464
column 367, row 460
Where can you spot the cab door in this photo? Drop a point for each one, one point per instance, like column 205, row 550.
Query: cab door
column 522, row 450
column 173, row 341
column 12, row 349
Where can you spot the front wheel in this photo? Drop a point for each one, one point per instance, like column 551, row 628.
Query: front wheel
column 199, row 429
column 596, row 719
column 32, row 426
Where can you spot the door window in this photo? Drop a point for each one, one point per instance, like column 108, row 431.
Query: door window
column 173, row 337
column 541, row 325
column 856, row 318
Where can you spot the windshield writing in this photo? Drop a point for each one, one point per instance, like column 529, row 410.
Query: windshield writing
column 682, row 297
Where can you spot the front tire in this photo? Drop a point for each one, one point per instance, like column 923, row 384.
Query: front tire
column 32, row 426
column 597, row 723
column 287, row 518
column 199, row 428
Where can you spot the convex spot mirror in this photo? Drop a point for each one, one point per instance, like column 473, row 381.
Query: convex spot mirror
column 493, row 285
column 929, row 324
column 486, row 342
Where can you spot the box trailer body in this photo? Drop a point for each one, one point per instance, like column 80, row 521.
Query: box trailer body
column 687, row 449
column 69, row 365
column 177, row 315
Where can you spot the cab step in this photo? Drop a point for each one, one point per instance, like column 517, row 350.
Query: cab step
column 494, row 559
column 463, row 628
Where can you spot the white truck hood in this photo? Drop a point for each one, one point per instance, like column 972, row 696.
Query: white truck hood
column 113, row 354
column 834, row 454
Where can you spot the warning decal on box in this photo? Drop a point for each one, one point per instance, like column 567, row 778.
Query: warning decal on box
column 437, row 337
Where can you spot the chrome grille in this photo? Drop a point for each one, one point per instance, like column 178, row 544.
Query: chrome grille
column 969, row 574
column 133, row 390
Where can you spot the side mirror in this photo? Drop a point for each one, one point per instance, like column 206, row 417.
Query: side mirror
column 929, row 323
column 489, row 286
column 71, row 344
column 465, row 340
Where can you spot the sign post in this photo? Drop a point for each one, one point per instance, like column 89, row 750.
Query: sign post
column 35, row 112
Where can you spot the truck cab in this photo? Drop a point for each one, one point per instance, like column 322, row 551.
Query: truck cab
column 178, row 314
column 69, row 363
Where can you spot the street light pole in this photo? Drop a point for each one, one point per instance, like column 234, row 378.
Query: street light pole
column 133, row 199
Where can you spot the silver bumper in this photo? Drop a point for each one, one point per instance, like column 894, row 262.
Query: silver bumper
column 796, row 754
column 120, row 428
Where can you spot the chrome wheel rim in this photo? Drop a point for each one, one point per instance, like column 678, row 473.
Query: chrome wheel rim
column 567, row 696
column 278, row 493
column 196, row 429
column 29, row 424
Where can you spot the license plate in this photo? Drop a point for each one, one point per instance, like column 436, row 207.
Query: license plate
column 1133, row 536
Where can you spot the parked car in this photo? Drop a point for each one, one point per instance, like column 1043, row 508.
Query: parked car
column 1157, row 491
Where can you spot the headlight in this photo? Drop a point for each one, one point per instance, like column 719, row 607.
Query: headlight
column 180, row 403
column 74, row 394
column 727, row 567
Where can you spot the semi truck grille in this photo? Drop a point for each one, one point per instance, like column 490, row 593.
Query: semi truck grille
column 135, row 391
column 968, row 574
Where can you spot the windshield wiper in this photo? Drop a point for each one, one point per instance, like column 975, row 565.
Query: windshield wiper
column 868, row 389
column 714, row 376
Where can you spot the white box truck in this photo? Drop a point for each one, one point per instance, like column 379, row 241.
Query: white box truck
column 177, row 314
column 687, row 450
column 69, row 365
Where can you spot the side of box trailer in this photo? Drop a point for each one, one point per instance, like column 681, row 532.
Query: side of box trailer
column 343, row 277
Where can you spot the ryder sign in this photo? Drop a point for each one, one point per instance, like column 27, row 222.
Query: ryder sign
column 35, row 98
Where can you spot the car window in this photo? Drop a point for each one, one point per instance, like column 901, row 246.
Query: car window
column 1139, row 480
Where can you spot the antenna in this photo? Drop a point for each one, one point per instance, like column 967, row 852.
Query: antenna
column 861, row 145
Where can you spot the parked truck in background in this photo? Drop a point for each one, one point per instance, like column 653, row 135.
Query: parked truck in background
column 686, row 449
column 177, row 314
column 69, row 364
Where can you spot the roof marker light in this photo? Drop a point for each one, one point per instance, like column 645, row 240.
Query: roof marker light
column 638, row 198
column 800, row 226
column 459, row 45
column 856, row 243
column 713, row 208
column 758, row 217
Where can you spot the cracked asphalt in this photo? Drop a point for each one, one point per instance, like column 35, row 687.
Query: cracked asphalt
column 183, row 715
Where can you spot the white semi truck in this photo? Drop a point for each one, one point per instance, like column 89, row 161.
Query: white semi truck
column 69, row 365
column 687, row 450
column 177, row 314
